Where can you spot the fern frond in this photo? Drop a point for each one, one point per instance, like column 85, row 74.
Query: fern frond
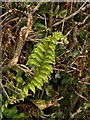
column 42, row 59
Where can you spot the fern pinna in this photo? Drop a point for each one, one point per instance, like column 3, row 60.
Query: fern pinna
column 42, row 59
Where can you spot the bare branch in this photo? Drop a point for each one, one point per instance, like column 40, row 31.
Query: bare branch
column 25, row 69
column 81, row 96
column 82, row 8
column 74, row 114
column 84, row 21
column 37, row 7
column 10, row 11
column 74, row 39
column 2, row 86
column 23, row 34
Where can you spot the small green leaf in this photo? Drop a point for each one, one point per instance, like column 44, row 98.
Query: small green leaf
column 39, row 25
column 57, row 35
column 44, row 77
column 32, row 87
column 19, row 79
column 56, row 10
column 40, row 104
column 49, row 90
column 63, row 14
column 52, row 46
column 47, row 66
column 9, row 113
column 49, row 54
column 33, row 62
column 50, row 51
column 45, row 71
column 6, row 103
column 37, row 84
column 18, row 117
column 49, row 61
column 41, row 47
column 25, row 89
column 45, row 43
column 39, row 80
column 39, row 52
column 3, row 108
column 36, row 56
column 50, row 58
column 11, row 102
column 54, row 41
column 22, row 96
column 49, row 38
column 66, row 42
column 19, row 72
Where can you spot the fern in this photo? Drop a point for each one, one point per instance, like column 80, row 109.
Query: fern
column 42, row 59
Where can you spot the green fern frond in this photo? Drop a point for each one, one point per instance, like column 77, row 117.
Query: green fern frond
column 42, row 60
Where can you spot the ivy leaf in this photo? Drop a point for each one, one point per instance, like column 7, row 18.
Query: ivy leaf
column 32, row 87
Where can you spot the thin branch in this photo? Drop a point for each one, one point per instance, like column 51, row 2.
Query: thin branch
column 82, row 8
column 81, row 96
column 18, row 90
column 34, row 40
column 12, row 90
column 15, row 19
column 25, row 69
column 74, row 39
column 85, row 26
column 37, row 7
column 23, row 34
column 75, row 113
column 4, row 90
column 84, row 21
column 50, row 14
column 6, row 18
column 10, row 11
column 86, row 83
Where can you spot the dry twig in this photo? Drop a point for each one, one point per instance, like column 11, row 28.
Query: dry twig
column 82, row 8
